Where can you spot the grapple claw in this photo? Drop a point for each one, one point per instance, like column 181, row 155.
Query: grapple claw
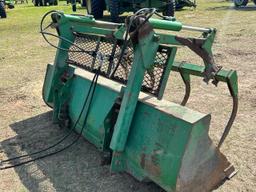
column 143, row 134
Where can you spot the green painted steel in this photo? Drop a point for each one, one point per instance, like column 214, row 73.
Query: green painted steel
column 99, row 120
column 157, row 142
column 143, row 58
column 149, row 137
column 166, row 25
column 196, row 70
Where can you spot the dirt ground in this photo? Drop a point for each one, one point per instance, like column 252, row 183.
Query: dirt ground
column 25, row 121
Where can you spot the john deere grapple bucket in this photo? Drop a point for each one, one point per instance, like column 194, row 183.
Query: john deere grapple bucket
column 123, row 69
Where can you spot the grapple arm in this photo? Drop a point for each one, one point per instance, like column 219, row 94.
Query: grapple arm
column 203, row 48
column 229, row 77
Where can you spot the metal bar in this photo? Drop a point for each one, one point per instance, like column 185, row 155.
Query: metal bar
column 144, row 55
column 175, row 26
column 165, row 76
column 198, row 70
column 91, row 21
column 199, row 29
column 109, row 25
column 156, row 23
column 128, row 105
column 165, row 24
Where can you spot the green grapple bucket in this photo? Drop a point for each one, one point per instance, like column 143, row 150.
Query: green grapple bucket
column 144, row 135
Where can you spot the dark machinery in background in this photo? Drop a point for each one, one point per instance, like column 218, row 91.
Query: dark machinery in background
column 73, row 3
column 240, row 3
column 118, row 7
column 44, row 2
column 3, row 5
column 179, row 4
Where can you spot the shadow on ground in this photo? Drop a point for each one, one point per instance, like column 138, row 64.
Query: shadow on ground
column 75, row 169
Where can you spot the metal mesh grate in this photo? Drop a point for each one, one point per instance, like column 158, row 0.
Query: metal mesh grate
column 111, row 48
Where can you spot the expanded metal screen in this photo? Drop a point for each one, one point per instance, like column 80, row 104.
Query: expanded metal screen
column 111, row 49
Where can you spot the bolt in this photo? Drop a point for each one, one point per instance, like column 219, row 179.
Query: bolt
column 156, row 38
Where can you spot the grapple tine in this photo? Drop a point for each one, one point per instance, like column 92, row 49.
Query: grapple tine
column 230, row 121
column 232, row 86
column 186, row 80
column 230, row 77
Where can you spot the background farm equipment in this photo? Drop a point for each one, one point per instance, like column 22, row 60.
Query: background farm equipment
column 239, row 3
column 44, row 2
column 117, row 7
column 179, row 4
column 74, row 2
column 107, row 84
column 5, row 4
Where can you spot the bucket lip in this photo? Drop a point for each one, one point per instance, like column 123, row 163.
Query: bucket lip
column 182, row 112
column 217, row 169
